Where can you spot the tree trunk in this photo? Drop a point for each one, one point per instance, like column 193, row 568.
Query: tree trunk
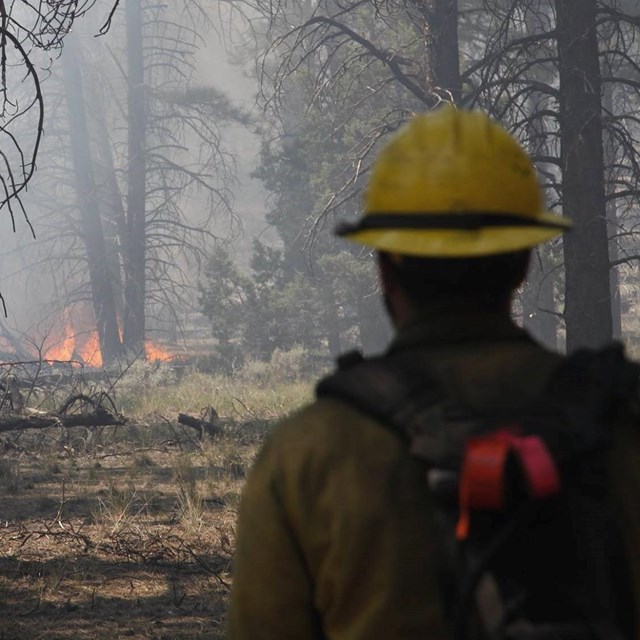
column 135, row 246
column 612, row 218
column 446, row 50
column 114, row 216
column 101, row 285
column 587, row 298
column 614, row 276
column 438, row 28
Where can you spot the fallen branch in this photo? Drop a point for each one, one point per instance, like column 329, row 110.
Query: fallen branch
column 202, row 426
column 98, row 418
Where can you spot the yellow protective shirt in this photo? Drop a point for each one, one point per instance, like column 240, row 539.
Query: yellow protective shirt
column 334, row 536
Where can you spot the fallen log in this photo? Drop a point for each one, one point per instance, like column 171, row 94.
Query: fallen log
column 46, row 420
column 200, row 425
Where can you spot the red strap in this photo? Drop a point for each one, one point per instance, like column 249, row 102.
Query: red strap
column 482, row 476
column 538, row 466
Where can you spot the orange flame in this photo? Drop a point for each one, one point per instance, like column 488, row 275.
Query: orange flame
column 74, row 337
column 156, row 353
column 63, row 344
column 89, row 352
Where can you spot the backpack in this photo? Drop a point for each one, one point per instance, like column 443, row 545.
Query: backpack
column 529, row 548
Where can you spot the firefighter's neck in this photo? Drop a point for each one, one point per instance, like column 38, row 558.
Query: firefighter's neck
column 403, row 312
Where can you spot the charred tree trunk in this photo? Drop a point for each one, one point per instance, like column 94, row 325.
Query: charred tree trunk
column 114, row 216
column 135, row 245
column 446, row 49
column 614, row 276
column 101, row 284
column 612, row 217
column 587, row 297
column 438, row 27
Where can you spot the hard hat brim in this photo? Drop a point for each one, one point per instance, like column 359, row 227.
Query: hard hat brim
column 442, row 242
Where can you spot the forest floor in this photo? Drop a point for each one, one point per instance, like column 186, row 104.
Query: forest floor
column 128, row 532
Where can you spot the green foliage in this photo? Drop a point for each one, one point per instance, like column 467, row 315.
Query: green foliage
column 224, row 285
column 285, row 173
column 279, row 306
column 334, row 106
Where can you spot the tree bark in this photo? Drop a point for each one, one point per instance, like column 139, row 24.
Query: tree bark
column 446, row 50
column 114, row 216
column 439, row 26
column 101, row 284
column 612, row 218
column 587, row 297
column 135, row 246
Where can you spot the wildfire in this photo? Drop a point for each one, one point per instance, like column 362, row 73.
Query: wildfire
column 156, row 353
column 62, row 342
column 89, row 352
column 75, row 339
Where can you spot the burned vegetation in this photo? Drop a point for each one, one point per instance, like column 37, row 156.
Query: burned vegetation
column 117, row 524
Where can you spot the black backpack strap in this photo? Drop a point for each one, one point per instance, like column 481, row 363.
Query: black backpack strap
column 391, row 390
column 597, row 382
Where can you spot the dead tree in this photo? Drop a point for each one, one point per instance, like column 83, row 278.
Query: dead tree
column 31, row 35
column 103, row 299
column 520, row 43
column 148, row 156
column 587, row 295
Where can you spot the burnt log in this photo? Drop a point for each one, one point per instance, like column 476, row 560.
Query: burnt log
column 201, row 425
column 46, row 420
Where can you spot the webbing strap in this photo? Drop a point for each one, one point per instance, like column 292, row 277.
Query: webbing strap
column 539, row 467
column 482, row 479
column 484, row 467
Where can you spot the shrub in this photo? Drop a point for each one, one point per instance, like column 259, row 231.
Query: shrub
column 285, row 366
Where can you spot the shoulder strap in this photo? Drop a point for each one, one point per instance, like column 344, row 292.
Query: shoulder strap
column 589, row 387
column 390, row 389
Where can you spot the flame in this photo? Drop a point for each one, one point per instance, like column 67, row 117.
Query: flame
column 74, row 337
column 156, row 353
column 89, row 352
column 63, row 344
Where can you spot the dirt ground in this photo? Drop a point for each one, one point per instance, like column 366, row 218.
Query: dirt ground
column 120, row 533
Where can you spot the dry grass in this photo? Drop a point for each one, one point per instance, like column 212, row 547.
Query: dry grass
column 128, row 532
column 257, row 393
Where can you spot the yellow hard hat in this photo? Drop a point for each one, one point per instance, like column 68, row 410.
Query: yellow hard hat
column 453, row 183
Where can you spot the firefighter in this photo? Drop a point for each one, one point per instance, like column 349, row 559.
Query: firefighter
column 335, row 535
